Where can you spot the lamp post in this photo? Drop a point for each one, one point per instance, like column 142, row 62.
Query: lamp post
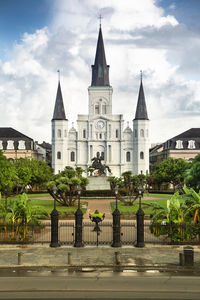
column 116, row 223
column 140, row 220
column 54, row 223
column 78, row 222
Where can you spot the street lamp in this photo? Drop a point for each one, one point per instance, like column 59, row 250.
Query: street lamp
column 54, row 192
column 79, row 195
column 140, row 219
column 78, row 222
column 116, row 222
column 54, row 222
column 116, row 193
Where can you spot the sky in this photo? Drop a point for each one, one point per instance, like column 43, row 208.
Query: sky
column 159, row 37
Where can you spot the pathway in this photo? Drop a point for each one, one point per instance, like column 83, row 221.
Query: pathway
column 102, row 205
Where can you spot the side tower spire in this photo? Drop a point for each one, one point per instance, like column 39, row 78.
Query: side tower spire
column 59, row 133
column 141, row 141
column 100, row 69
column 141, row 110
column 59, row 110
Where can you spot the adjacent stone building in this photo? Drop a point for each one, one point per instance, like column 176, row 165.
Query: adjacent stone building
column 15, row 144
column 101, row 132
column 185, row 145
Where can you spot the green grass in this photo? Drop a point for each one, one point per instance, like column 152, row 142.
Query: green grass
column 39, row 195
column 160, row 196
column 130, row 210
column 48, row 206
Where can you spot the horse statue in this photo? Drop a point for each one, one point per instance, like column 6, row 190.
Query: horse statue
column 97, row 165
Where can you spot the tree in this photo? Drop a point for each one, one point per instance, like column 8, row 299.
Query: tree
column 192, row 178
column 8, row 174
column 171, row 170
column 66, row 183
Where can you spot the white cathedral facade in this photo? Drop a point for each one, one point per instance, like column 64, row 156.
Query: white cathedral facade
column 101, row 132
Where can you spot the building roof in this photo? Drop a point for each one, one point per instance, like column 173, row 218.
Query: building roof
column 59, row 110
column 141, row 110
column 191, row 133
column 100, row 69
column 45, row 145
column 10, row 133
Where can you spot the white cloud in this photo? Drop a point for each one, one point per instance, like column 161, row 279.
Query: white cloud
column 137, row 36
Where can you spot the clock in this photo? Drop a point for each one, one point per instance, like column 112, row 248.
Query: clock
column 100, row 125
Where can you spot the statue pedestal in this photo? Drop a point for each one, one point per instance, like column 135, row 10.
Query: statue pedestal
column 98, row 183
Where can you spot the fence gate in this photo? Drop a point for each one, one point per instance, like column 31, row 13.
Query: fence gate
column 101, row 236
column 66, row 233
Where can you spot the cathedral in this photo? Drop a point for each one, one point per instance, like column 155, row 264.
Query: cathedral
column 100, row 132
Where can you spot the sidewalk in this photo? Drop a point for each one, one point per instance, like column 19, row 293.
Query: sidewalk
column 90, row 256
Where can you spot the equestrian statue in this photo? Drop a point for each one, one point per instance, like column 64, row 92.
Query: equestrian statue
column 97, row 165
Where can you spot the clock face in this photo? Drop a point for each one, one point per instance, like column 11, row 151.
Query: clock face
column 100, row 125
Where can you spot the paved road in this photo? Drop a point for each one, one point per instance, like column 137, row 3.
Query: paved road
column 101, row 285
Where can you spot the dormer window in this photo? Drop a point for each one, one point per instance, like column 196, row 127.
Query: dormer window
column 10, row 145
column 191, row 144
column 179, row 144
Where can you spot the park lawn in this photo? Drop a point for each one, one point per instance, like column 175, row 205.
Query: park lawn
column 131, row 210
column 48, row 206
column 160, row 196
column 38, row 195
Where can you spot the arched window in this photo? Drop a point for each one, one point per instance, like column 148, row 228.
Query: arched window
column 102, row 155
column 103, row 109
column 72, row 156
column 84, row 133
column 141, row 155
column 109, row 131
column 59, row 133
column 58, row 155
column 128, row 156
column 142, row 132
column 98, row 154
column 117, row 133
column 100, row 136
column 96, row 109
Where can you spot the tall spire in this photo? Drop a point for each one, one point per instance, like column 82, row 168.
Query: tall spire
column 100, row 70
column 141, row 110
column 59, row 110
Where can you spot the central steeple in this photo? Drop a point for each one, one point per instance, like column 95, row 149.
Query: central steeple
column 100, row 70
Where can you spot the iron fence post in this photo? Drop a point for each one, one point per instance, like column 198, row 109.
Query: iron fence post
column 78, row 222
column 54, row 228
column 78, row 228
column 116, row 229
column 140, row 228
column 116, row 223
column 140, row 221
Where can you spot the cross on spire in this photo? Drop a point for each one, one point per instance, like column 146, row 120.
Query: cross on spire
column 58, row 75
column 141, row 75
column 100, row 18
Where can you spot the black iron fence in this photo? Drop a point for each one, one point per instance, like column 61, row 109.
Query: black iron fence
column 153, row 234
